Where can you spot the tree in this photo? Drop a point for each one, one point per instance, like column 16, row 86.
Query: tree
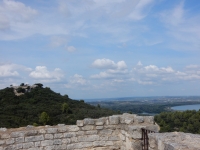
column 39, row 85
column 22, row 84
column 43, row 118
column 82, row 101
column 99, row 106
column 65, row 107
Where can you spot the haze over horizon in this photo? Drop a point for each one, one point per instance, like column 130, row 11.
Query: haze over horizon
column 102, row 49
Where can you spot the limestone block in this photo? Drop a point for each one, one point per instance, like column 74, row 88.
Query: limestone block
column 69, row 134
column 61, row 125
column 107, row 121
column 98, row 143
column 99, row 127
column 48, row 136
column 73, row 128
column 114, row 120
column 17, row 134
column 66, row 141
column 28, row 145
column 152, row 143
column 58, row 136
column 34, row 138
column 113, row 127
column 34, row 148
column 5, row 136
column 47, row 143
column 103, row 138
column 2, row 142
column 105, row 132
column 88, row 127
column 79, row 145
column 19, row 140
column 18, row 146
column 37, row 144
column 137, row 144
column 114, row 138
column 62, row 129
column 91, row 132
column 10, row 147
column 57, row 142
column 109, row 143
column 42, row 131
column 80, row 133
column 31, row 133
column 74, row 139
column 100, row 121
column 49, row 148
column 60, row 147
column 10, row 141
column 139, row 119
column 88, row 138
column 122, row 137
column 127, row 119
column 79, row 123
column 88, row 121
column 154, row 128
column 51, row 130
column 3, row 129
column 149, row 119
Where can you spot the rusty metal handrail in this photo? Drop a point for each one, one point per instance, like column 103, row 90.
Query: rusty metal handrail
column 145, row 138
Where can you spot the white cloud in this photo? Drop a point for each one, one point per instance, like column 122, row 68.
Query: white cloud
column 112, row 69
column 175, row 16
column 183, row 27
column 104, row 64
column 140, row 9
column 76, row 81
column 8, row 70
column 57, row 41
column 103, row 75
column 71, row 48
column 108, row 64
column 12, row 70
column 15, row 12
column 152, row 74
column 41, row 73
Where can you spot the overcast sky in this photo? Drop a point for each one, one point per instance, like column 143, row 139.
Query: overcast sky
column 102, row 48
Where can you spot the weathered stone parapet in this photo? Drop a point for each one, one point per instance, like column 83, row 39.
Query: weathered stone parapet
column 113, row 132
column 174, row 141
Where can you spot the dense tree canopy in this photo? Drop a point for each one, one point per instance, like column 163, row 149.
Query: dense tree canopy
column 186, row 121
column 16, row 111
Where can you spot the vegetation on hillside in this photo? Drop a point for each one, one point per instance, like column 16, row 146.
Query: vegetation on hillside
column 43, row 106
column 186, row 121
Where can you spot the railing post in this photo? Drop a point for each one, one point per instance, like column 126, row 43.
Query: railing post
column 145, row 138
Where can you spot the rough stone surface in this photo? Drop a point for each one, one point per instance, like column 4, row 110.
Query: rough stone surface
column 174, row 141
column 108, row 133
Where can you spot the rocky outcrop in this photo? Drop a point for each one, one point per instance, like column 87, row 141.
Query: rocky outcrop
column 26, row 88
column 174, row 141
column 107, row 133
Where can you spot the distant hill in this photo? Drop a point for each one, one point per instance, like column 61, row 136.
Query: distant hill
column 40, row 106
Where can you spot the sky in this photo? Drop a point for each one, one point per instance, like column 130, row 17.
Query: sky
column 102, row 48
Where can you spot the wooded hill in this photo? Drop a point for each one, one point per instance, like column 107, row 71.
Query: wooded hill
column 43, row 106
column 186, row 121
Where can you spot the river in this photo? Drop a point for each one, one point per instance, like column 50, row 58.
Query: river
column 186, row 107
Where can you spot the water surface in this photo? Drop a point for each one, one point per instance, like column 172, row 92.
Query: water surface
column 187, row 107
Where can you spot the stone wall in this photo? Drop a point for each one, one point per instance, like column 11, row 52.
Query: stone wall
column 109, row 133
column 174, row 141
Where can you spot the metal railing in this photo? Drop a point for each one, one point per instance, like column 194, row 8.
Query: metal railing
column 145, row 138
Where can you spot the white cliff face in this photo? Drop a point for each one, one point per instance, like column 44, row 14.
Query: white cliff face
column 107, row 133
column 27, row 88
